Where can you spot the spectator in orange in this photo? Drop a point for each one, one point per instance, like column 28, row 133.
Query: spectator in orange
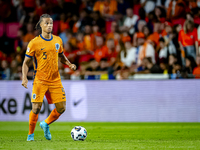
column 95, row 29
column 167, row 33
column 188, row 39
column 146, row 50
column 106, row 7
column 167, row 28
column 84, row 54
column 140, row 25
column 139, row 42
column 80, row 41
column 136, row 36
column 117, row 38
column 196, row 71
column 63, row 22
column 125, row 37
column 87, row 38
column 101, row 51
column 72, row 40
column 114, row 28
column 157, row 33
column 29, row 35
column 76, row 27
column 176, row 9
column 112, row 53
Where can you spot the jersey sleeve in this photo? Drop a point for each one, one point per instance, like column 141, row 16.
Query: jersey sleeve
column 30, row 51
column 61, row 47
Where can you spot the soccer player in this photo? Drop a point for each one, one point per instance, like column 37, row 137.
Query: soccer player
column 45, row 50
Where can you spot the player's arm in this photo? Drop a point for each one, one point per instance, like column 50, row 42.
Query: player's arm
column 65, row 61
column 25, row 68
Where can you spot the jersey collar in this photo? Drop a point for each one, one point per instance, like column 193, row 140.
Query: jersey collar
column 46, row 39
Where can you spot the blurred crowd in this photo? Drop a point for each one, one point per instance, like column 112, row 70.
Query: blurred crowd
column 108, row 39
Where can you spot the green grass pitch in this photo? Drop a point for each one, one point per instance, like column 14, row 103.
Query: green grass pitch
column 112, row 136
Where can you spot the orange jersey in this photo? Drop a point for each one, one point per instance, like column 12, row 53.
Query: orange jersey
column 188, row 39
column 45, row 55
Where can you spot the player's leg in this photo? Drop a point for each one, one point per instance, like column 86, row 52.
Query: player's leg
column 55, row 114
column 33, row 117
column 56, row 95
column 36, row 99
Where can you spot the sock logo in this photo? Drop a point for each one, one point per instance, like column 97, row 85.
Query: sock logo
column 34, row 96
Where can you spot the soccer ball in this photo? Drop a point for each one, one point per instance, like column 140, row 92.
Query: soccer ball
column 78, row 133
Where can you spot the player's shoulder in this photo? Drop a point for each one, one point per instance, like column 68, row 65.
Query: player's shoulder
column 35, row 40
column 57, row 38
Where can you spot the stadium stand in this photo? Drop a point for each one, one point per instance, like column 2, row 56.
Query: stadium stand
column 107, row 39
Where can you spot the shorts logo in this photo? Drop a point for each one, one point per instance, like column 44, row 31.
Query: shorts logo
column 34, row 96
column 28, row 49
column 57, row 46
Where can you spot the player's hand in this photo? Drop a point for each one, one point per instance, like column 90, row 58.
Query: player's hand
column 72, row 66
column 24, row 82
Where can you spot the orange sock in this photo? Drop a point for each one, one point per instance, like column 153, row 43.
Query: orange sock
column 53, row 116
column 32, row 122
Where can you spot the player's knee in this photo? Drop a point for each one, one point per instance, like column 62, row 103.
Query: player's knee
column 36, row 108
column 61, row 109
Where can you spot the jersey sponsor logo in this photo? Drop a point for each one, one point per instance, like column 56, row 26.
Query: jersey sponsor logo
column 34, row 96
column 28, row 49
column 43, row 48
column 57, row 46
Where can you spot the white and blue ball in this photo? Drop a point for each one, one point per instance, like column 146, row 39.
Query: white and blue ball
column 78, row 133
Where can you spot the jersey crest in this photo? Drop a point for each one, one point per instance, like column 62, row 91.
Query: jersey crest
column 57, row 46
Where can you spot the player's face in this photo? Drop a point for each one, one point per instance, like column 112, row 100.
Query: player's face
column 47, row 25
